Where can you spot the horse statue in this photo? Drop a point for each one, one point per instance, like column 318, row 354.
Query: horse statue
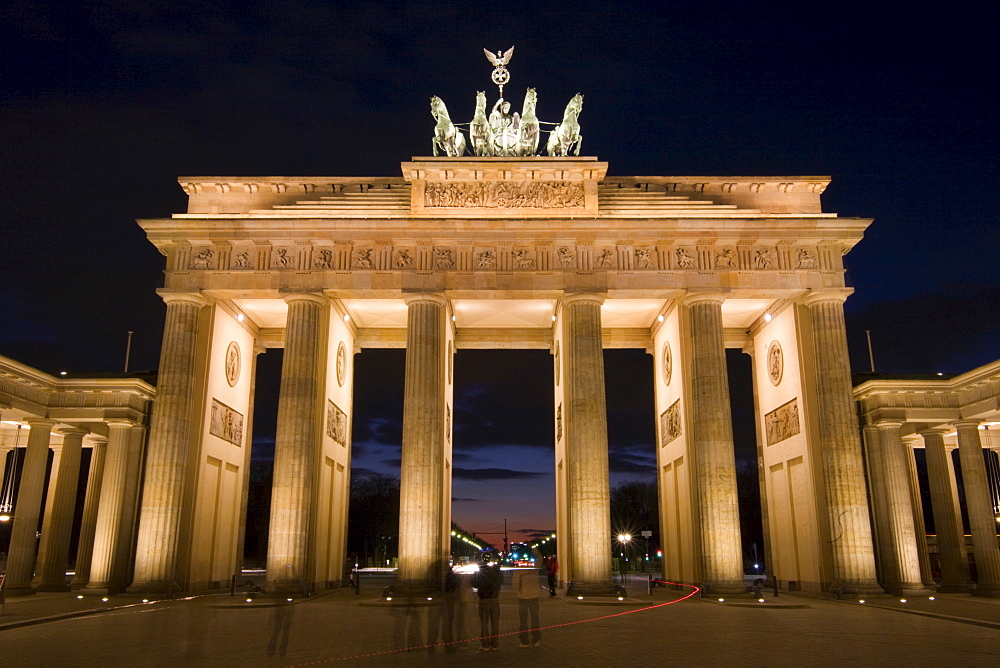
column 566, row 136
column 479, row 128
column 447, row 137
column 528, row 141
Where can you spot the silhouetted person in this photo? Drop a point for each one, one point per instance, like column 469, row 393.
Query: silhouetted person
column 551, row 571
column 281, row 626
column 527, row 588
column 488, row 582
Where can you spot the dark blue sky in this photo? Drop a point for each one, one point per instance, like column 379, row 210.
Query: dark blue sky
column 103, row 105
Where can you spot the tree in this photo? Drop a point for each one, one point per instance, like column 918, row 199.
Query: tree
column 373, row 517
column 635, row 508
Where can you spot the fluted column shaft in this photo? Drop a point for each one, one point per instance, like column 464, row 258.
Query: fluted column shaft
column 295, row 446
column 919, row 528
column 901, row 572
column 21, row 557
column 107, row 534
column 586, row 422
column 977, row 502
column 421, row 480
column 947, row 516
column 712, row 443
column 843, row 471
column 91, row 503
column 167, row 453
column 53, row 548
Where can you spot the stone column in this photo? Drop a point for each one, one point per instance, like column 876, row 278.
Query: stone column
column 296, row 440
column 88, row 524
column 421, row 484
column 980, row 509
column 901, row 572
column 947, row 515
column 712, row 445
column 919, row 528
column 53, row 549
column 23, row 539
column 107, row 535
column 167, row 452
column 586, row 434
column 881, row 531
column 846, row 502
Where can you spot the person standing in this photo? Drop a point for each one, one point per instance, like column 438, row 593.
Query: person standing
column 527, row 588
column 488, row 582
column 552, row 570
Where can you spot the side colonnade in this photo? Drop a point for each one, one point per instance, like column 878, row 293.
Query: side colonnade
column 937, row 415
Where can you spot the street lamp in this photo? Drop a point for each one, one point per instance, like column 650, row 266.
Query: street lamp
column 623, row 539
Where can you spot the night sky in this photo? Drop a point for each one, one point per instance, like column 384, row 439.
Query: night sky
column 105, row 104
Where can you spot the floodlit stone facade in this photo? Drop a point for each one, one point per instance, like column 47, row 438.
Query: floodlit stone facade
column 544, row 253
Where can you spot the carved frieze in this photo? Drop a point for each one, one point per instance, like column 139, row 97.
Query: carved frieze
column 605, row 259
column 725, row 259
column 763, row 258
column 523, row 259
column 806, row 259
column 226, row 423
column 242, row 260
column 444, row 258
column 685, row 260
column 566, row 257
column 402, row 259
column 324, row 259
column 670, row 423
column 283, row 259
column 505, row 195
column 202, row 259
column 559, row 423
column 644, row 258
column 336, row 423
column 782, row 422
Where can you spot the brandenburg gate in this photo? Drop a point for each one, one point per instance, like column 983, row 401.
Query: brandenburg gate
column 486, row 244
column 505, row 252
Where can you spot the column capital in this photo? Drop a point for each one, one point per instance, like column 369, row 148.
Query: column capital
column 838, row 295
column 692, row 298
column 195, row 298
column 72, row 431
column 314, row 297
column 97, row 440
column 582, row 297
column 967, row 423
column 889, row 424
column 33, row 422
column 433, row 297
column 120, row 422
column 934, row 431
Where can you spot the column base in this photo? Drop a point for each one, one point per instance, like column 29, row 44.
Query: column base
column 18, row 590
column 414, row 588
column 955, row 588
column 147, row 588
column 987, row 591
column 52, row 587
column 856, row 590
column 594, row 589
column 909, row 591
column 725, row 588
column 285, row 588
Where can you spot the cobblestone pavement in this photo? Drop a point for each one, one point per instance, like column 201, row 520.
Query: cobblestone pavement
column 335, row 629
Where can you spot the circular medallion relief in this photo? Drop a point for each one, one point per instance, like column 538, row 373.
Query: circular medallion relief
column 775, row 362
column 668, row 363
column 233, row 363
column 341, row 363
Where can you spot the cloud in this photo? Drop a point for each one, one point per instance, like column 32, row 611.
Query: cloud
column 536, row 533
column 394, row 462
column 494, row 474
column 362, row 472
column 457, row 499
column 620, row 463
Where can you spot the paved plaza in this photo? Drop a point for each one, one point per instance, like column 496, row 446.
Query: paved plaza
column 217, row 629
